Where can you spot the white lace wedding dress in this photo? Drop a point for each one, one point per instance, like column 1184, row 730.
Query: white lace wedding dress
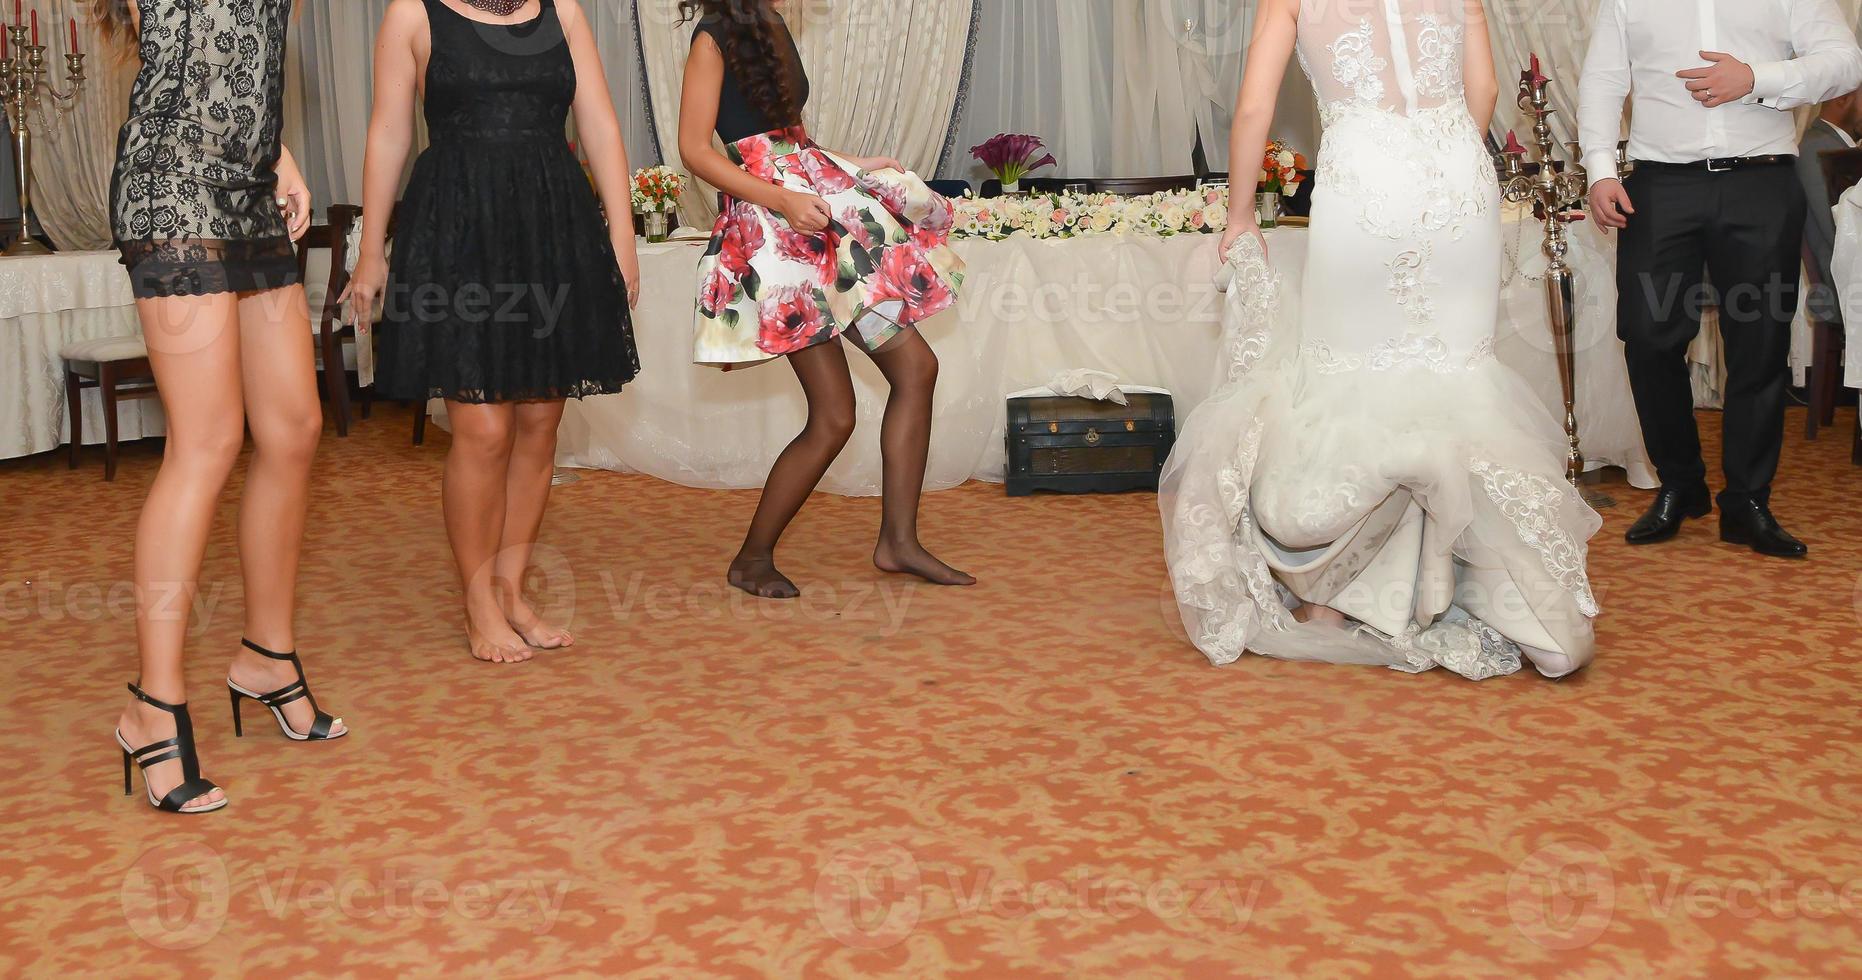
column 1371, row 455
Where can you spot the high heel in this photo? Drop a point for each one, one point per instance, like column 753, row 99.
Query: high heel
column 180, row 747
column 298, row 690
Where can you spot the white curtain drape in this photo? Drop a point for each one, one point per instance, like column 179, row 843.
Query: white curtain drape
column 74, row 148
column 1558, row 31
column 883, row 77
column 1118, row 87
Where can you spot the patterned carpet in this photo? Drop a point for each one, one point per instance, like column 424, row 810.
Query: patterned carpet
column 1035, row 777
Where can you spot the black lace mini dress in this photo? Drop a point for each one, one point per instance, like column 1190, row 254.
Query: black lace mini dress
column 194, row 192
column 503, row 284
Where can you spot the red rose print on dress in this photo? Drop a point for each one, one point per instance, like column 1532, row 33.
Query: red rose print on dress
column 815, row 251
column 790, row 318
column 893, row 195
column 906, row 274
column 743, row 238
column 719, row 289
column 855, row 223
column 759, row 158
column 824, row 174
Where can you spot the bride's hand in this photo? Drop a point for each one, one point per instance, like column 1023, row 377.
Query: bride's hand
column 1237, row 227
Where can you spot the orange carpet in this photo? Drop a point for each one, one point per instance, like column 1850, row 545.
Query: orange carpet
column 1035, row 777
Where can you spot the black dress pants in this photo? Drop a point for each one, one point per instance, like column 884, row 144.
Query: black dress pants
column 1744, row 229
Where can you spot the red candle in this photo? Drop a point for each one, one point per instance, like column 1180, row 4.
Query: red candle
column 74, row 35
column 35, row 26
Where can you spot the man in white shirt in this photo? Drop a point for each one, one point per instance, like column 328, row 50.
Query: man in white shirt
column 1709, row 84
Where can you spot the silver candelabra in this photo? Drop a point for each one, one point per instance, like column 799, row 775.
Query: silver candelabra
column 1557, row 192
column 25, row 89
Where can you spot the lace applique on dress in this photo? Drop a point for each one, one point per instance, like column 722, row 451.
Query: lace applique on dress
column 1532, row 503
column 1356, row 63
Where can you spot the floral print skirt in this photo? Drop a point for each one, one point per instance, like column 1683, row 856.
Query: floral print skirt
column 883, row 264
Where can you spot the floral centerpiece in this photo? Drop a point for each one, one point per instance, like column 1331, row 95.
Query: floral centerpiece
column 1281, row 176
column 1067, row 215
column 656, row 199
column 1011, row 156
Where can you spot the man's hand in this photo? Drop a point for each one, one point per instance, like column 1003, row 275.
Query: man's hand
column 1609, row 204
column 1727, row 79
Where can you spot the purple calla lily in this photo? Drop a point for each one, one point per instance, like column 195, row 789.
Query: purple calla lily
column 1010, row 156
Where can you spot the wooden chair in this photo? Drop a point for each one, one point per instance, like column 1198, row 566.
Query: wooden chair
column 1842, row 170
column 1143, row 185
column 1036, row 185
column 118, row 367
column 949, row 188
column 332, row 331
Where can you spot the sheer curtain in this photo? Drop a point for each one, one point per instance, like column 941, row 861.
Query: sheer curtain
column 1118, row 87
column 1558, row 31
column 74, row 150
column 883, row 77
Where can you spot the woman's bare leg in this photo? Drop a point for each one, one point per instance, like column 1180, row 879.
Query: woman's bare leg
column 826, row 381
column 910, row 367
column 286, row 419
column 473, row 496
column 526, row 495
column 194, row 347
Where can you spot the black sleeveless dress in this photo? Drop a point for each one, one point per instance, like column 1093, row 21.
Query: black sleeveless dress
column 503, row 285
column 193, row 196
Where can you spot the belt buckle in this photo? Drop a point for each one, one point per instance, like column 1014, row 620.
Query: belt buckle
column 1719, row 166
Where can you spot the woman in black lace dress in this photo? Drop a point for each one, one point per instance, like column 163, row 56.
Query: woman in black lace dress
column 507, row 294
column 205, row 206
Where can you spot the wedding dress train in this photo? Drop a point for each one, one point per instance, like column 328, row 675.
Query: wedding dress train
column 1371, row 454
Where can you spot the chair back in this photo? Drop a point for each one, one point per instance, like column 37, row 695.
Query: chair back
column 1842, row 169
column 1143, row 185
column 343, row 218
column 1036, row 185
column 949, row 188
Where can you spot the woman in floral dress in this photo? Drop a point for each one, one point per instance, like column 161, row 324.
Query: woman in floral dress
column 812, row 245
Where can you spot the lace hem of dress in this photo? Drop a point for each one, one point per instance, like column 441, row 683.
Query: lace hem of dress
column 199, row 267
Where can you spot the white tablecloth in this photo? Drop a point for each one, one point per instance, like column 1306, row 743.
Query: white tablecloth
column 47, row 302
column 1846, row 269
column 1143, row 309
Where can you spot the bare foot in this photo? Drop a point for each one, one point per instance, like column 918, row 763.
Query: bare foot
column 911, row 558
column 758, row 576
column 523, row 618
column 263, row 675
column 491, row 637
column 141, row 725
column 1322, row 615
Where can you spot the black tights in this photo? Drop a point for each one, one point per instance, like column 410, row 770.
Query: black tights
column 910, row 368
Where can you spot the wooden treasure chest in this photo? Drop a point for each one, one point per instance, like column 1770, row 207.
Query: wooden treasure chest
column 1080, row 445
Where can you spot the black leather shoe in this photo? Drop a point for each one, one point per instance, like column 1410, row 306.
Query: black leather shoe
column 1750, row 523
column 1664, row 517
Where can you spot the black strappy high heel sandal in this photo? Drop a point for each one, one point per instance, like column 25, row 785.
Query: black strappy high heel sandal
column 276, row 700
column 180, row 747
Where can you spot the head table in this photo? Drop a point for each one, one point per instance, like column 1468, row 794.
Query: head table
column 1144, row 309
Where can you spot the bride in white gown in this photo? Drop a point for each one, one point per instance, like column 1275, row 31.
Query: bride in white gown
column 1368, row 484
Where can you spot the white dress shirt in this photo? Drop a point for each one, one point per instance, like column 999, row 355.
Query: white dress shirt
column 1802, row 52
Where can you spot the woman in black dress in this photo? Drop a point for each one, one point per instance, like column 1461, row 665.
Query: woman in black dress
column 205, row 206
column 812, row 246
column 507, row 294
